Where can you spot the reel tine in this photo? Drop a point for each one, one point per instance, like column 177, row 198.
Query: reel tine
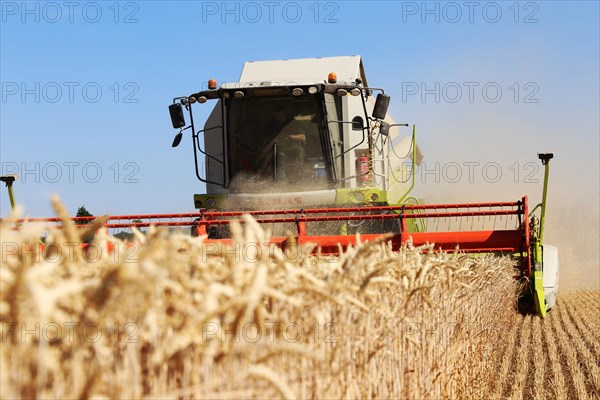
column 483, row 219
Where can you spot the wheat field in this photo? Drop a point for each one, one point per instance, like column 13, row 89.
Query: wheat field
column 169, row 317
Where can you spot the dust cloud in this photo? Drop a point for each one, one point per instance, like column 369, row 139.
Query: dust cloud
column 572, row 218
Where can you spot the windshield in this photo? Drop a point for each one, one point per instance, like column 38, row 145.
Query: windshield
column 276, row 139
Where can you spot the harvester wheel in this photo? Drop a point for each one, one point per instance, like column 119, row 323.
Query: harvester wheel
column 525, row 304
column 529, row 303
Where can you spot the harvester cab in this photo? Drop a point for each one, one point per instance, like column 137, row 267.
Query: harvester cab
column 302, row 133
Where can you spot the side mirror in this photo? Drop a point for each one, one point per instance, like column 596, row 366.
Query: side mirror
column 177, row 119
column 381, row 106
column 177, row 139
column 357, row 123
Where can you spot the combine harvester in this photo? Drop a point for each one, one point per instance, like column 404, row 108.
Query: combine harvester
column 306, row 147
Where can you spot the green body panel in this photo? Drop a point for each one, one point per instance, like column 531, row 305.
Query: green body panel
column 202, row 200
column 537, row 239
column 538, row 282
column 347, row 197
column 538, row 293
column 413, row 225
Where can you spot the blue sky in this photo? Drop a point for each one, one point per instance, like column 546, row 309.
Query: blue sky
column 59, row 132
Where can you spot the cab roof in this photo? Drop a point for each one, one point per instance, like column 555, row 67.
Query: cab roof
column 303, row 70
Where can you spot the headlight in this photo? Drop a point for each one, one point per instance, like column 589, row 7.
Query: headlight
column 359, row 197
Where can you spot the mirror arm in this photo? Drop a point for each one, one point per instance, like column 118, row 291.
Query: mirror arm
column 375, row 89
